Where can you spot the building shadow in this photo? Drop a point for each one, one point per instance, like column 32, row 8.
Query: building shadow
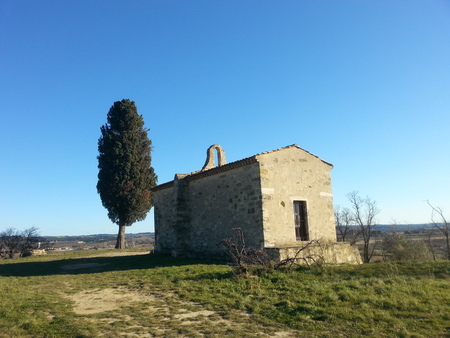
column 91, row 265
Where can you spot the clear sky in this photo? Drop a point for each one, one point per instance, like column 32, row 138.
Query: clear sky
column 364, row 85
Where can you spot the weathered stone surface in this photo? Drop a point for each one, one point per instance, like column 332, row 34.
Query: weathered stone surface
column 331, row 253
column 195, row 216
column 35, row 252
column 292, row 174
column 197, row 211
column 210, row 157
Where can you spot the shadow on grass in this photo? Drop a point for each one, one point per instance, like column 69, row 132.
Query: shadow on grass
column 73, row 265
column 76, row 266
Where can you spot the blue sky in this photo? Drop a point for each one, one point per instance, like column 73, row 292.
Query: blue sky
column 364, row 85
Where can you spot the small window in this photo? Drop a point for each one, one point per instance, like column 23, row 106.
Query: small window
column 301, row 221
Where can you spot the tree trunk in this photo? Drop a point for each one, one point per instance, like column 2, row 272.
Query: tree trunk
column 447, row 242
column 120, row 244
column 366, row 255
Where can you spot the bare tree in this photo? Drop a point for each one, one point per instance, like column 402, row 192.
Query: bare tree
column 439, row 221
column 345, row 225
column 30, row 240
column 364, row 211
column 14, row 242
column 430, row 244
column 10, row 240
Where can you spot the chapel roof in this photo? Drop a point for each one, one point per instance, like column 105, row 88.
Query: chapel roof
column 229, row 166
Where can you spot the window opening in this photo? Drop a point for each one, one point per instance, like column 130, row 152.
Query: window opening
column 301, row 221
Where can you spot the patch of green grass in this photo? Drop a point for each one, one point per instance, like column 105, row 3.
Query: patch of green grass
column 386, row 299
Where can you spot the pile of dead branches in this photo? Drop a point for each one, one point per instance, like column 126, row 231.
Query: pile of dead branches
column 247, row 259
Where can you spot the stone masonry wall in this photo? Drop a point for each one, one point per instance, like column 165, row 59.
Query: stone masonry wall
column 222, row 202
column 195, row 213
column 288, row 175
column 330, row 253
column 164, row 211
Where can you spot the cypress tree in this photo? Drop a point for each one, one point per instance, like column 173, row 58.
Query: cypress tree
column 125, row 173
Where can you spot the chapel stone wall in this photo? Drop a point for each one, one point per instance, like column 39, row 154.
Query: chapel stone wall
column 224, row 201
column 164, row 215
column 289, row 175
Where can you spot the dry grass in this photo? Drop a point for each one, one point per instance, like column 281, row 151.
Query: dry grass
column 141, row 295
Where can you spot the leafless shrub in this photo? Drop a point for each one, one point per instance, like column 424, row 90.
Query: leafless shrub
column 243, row 256
column 302, row 259
column 397, row 247
column 15, row 243
column 439, row 221
column 246, row 259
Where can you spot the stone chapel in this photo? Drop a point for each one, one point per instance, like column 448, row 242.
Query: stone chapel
column 281, row 199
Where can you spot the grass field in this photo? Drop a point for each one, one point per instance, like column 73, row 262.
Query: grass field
column 148, row 295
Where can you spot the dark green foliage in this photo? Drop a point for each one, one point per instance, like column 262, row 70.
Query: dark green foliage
column 125, row 174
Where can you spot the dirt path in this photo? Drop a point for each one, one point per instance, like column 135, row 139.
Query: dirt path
column 121, row 312
column 159, row 315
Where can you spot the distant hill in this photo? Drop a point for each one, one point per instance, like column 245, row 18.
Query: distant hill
column 402, row 227
column 112, row 237
column 97, row 237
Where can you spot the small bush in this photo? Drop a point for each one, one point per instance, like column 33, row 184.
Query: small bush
column 398, row 247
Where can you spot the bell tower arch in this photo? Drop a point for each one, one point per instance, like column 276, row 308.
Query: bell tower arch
column 210, row 157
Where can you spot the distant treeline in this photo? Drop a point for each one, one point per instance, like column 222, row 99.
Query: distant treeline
column 403, row 227
column 97, row 237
